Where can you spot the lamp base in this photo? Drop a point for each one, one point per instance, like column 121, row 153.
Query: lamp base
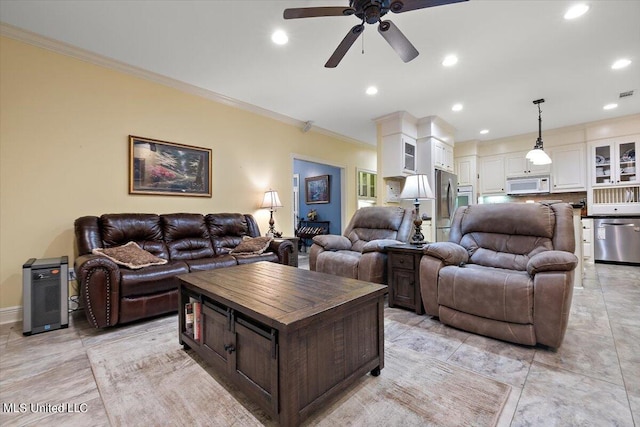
column 272, row 230
column 417, row 238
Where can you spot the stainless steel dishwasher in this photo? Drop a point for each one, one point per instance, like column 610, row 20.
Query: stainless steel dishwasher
column 617, row 239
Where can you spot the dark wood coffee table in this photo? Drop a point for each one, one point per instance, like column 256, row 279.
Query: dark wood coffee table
column 290, row 339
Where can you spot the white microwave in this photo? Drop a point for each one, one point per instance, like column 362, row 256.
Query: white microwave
column 528, row 185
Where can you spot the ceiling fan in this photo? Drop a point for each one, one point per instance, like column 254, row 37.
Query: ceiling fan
column 371, row 12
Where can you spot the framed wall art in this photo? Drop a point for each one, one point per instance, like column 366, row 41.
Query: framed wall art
column 167, row 168
column 317, row 189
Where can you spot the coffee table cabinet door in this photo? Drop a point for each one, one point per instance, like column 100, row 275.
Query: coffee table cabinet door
column 255, row 364
column 216, row 337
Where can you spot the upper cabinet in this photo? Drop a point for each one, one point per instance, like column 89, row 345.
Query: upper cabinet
column 517, row 165
column 465, row 169
column 567, row 168
column 613, row 162
column 442, row 155
column 399, row 154
column 492, row 175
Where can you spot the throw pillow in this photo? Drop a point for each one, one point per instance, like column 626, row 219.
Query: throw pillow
column 130, row 255
column 252, row 245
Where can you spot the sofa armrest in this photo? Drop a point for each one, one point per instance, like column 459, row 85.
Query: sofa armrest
column 332, row 242
column 379, row 245
column 449, row 253
column 282, row 248
column 551, row 261
column 99, row 281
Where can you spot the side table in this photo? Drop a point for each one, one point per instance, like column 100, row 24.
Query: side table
column 403, row 269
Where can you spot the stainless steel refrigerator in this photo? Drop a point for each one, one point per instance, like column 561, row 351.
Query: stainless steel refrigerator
column 446, row 191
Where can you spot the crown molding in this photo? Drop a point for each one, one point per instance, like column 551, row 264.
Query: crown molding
column 66, row 49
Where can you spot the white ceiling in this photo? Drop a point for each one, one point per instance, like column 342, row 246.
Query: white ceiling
column 510, row 53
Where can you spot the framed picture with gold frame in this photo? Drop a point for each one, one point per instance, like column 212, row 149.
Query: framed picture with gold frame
column 317, row 189
column 168, row 169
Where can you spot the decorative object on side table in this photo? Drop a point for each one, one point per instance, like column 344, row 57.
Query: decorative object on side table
column 417, row 187
column 403, row 269
column 271, row 201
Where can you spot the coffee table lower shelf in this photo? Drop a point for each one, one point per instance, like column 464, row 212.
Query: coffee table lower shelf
column 293, row 362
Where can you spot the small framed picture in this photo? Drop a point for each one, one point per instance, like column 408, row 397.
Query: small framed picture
column 168, row 169
column 317, row 189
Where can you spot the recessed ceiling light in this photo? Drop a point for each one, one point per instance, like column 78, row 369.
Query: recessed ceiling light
column 456, row 107
column 610, row 106
column 279, row 37
column 372, row 90
column 484, row 131
column 450, row 60
column 576, row 11
column 620, row 63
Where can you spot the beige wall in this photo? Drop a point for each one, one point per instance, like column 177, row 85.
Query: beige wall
column 64, row 127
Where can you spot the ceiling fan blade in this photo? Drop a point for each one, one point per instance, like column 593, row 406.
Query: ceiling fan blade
column 399, row 6
column 312, row 12
column 344, row 46
column 397, row 40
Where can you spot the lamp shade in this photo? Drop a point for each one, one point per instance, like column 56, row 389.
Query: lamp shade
column 271, row 200
column 537, row 156
column 416, row 187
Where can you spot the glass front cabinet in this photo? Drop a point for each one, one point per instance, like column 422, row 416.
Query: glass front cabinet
column 613, row 162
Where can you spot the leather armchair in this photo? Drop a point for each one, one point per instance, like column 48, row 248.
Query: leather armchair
column 359, row 253
column 506, row 272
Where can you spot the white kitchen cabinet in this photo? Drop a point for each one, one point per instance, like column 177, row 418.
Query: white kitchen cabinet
column 492, row 175
column 517, row 165
column 399, row 154
column 568, row 172
column 613, row 162
column 442, row 155
column 466, row 170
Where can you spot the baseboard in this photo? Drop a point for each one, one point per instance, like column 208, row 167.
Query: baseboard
column 10, row 314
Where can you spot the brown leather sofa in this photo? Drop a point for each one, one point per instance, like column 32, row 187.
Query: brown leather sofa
column 506, row 272
column 359, row 253
column 112, row 294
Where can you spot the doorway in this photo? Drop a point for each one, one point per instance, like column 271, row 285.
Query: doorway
column 308, row 175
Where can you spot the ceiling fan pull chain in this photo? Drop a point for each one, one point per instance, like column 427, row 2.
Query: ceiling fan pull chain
column 363, row 44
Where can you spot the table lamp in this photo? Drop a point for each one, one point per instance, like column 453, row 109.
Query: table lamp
column 271, row 201
column 417, row 187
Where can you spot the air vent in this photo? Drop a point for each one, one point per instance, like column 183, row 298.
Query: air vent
column 625, row 94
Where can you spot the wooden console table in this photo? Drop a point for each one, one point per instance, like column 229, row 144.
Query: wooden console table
column 307, row 230
column 289, row 339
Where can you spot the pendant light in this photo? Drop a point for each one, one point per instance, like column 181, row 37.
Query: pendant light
column 537, row 156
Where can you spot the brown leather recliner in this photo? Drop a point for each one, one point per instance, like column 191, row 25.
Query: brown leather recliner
column 506, row 272
column 359, row 253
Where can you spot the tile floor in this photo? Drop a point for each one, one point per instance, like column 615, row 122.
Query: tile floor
column 592, row 380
